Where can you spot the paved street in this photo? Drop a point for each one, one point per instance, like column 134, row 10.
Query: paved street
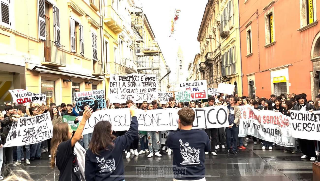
column 247, row 165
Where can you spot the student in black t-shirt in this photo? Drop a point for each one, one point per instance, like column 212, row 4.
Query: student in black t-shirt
column 104, row 156
column 62, row 150
column 189, row 147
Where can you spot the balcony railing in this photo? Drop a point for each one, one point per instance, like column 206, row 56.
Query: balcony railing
column 130, row 66
column 53, row 56
column 150, row 50
column 112, row 19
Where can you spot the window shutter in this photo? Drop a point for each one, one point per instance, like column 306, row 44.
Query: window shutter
column 5, row 12
column 81, row 40
column 94, row 47
column 231, row 12
column 56, row 25
column 72, row 35
column 42, row 20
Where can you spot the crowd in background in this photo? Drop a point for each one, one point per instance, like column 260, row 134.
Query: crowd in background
column 149, row 142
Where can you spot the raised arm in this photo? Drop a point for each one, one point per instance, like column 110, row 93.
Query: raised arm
column 78, row 134
column 132, row 133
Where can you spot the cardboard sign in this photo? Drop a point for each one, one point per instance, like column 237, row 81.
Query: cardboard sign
column 70, row 120
column 21, row 96
column 212, row 91
column 135, row 87
column 183, row 96
column 198, row 89
column 91, row 98
column 226, row 88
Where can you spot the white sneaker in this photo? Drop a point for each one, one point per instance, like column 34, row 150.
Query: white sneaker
column 313, row 159
column 150, row 155
column 169, row 151
column 206, row 153
column 128, row 155
column 131, row 151
column 158, row 154
column 136, row 152
column 270, row 147
column 49, row 156
column 303, row 156
column 214, row 153
column 263, row 147
column 255, row 142
column 223, row 147
column 142, row 152
column 27, row 162
column 147, row 151
column 17, row 163
column 217, row 147
column 247, row 139
column 245, row 144
column 1, row 178
column 163, row 148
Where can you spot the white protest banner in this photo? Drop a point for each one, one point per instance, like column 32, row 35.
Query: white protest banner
column 159, row 119
column 197, row 88
column 21, row 96
column 305, row 124
column 212, row 91
column 183, row 96
column 226, row 88
column 91, row 98
column 266, row 125
column 120, row 119
column 135, row 87
column 163, row 97
column 30, row 130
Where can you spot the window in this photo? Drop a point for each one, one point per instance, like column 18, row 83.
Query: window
column 280, row 88
column 94, row 46
column 42, row 17
column 249, row 42
column 94, row 87
column 270, row 28
column 56, row 25
column 6, row 13
column 76, row 37
column 47, row 88
column 47, row 34
column 307, row 12
column 75, row 88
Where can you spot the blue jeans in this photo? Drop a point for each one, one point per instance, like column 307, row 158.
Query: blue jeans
column 267, row 143
column 36, row 150
column 20, row 154
column 143, row 143
column 153, row 141
column 232, row 133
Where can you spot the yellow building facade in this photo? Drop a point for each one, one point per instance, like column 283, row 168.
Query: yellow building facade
column 220, row 60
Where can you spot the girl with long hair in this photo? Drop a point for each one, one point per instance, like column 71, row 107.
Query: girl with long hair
column 104, row 156
column 62, row 150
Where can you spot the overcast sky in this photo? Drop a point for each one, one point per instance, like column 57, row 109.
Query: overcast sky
column 161, row 12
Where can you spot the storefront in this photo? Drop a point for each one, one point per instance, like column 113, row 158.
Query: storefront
column 279, row 80
column 48, row 88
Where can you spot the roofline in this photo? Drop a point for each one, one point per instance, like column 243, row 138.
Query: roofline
column 149, row 26
column 204, row 18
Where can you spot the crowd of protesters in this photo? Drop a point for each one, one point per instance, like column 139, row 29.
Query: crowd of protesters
column 145, row 142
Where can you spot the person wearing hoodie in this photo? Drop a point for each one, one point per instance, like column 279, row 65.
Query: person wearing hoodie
column 104, row 156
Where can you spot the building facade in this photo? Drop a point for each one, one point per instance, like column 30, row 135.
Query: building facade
column 220, row 60
column 193, row 69
column 280, row 47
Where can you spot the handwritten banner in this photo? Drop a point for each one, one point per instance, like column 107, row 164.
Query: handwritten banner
column 183, row 96
column 29, row 130
column 91, row 98
column 198, row 89
column 159, row 119
column 266, row 125
column 135, row 87
column 21, row 96
column 305, row 124
column 164, row 97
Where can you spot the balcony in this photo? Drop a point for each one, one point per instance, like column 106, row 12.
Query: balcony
column 130, row 66
column 151, row 50
column 112, row 20
column 53, row 57
column 224, row 34
column 209, row 58
column 139, row 52
column 97, row 68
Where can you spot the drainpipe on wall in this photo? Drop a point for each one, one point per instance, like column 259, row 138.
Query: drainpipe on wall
column 102, row 46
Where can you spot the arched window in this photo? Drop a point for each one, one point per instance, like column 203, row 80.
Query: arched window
column 315, row 52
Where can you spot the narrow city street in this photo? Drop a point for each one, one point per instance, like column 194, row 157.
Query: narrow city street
column 248, row 165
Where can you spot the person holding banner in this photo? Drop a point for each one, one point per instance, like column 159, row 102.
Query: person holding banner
column 307, row 146
column 153, row 138
column 213, row 132
column 189, row 147
column 233, row 130
column 62, row 151
column 104, row 156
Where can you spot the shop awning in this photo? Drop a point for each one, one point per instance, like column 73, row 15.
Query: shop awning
column 279, row 79
column 43, row 69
